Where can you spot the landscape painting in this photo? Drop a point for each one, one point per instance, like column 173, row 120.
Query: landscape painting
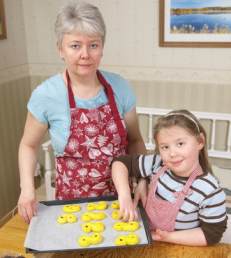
column 185, row 23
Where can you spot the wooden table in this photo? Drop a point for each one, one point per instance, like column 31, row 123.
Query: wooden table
column 12, row 236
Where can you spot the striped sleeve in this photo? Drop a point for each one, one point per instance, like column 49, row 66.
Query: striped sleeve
column 148, row 164
column 213, row 209
column 140, row 165
column 213, row 216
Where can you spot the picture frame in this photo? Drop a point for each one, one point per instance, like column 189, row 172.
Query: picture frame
column 2, row 21
column 193, row 23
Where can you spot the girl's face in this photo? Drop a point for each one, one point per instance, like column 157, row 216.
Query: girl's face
column 179, row 149
column 81, row 53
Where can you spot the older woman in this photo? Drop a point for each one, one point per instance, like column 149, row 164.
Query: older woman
column 90, row 114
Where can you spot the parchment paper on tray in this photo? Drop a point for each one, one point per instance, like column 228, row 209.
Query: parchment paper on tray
column 46, row 235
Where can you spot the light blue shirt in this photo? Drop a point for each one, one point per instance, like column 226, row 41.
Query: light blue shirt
column 49, row 104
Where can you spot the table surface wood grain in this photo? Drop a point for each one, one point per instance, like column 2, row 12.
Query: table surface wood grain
column 12, row 235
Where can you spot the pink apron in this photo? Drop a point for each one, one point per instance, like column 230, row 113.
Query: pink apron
column 96, row 137
column 162, row 214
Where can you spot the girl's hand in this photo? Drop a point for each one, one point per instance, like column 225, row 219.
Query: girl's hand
column 127, row 208
column 141, row 192
column 160, row 235
column 27, row 205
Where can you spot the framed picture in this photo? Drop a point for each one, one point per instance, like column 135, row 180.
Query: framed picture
column 195, row 23
column 2, row 21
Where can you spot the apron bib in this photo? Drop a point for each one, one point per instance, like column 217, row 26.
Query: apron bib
column 162, row 214
column 96, row 137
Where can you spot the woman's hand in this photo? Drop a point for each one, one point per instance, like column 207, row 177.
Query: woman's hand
column 34, row 132
column 141, row 192
column 27, row 205
column 127, row 208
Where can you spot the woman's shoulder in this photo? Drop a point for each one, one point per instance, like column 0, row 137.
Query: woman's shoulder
column 115, row 80
column 124, row 95
column 48, row 98
column 110, row 76
column 51, row 86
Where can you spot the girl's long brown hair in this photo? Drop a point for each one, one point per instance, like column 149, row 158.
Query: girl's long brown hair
column 186, row 120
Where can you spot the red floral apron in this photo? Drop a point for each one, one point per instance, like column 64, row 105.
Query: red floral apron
column 96, row 137
column 162, row 214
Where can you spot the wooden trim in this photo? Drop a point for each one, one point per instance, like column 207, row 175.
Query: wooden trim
column 2, row 20
column 163, row 43
column 8, row 216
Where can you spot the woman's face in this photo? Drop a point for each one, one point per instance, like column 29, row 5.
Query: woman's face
column 81, row 53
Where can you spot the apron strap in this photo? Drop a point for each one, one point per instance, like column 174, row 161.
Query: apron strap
column 70, row 92
column 159, row 173
column 189, row 182
column 113, row 106
column 155, row 177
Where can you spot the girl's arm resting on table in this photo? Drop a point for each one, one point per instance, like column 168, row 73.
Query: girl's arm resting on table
column 120, row 179
column 34, row 132
column 192, row 237
column 206, row 234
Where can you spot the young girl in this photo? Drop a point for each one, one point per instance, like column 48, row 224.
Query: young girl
column 185, row 203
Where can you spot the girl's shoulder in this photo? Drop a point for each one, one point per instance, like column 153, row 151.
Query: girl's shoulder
column 207, row 183
column 211, row 178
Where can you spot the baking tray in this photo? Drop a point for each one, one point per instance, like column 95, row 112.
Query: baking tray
column 46, row 235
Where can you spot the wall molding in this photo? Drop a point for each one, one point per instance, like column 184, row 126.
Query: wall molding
column 133, row 73
column 148, row 73
column 14, row 73
column 178, row 74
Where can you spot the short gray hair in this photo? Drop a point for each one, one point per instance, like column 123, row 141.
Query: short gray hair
column 81, row 17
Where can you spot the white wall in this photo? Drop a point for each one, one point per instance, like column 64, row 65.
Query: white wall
column 131, row 45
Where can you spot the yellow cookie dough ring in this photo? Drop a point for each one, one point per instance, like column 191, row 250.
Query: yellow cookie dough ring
column 71, row 218
column 115, row 205
column 97, row 227
column 62, row 219
column 132, row 239
column 120, row 240
column 91, row 206
column 115, row 215
column 96, row 238
column 102, row 205
column 87, row 216
column 119, row 226
column 131, row 226
column 71, row 208
column 87, row 227
column 98, row 215
column 84, row 241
